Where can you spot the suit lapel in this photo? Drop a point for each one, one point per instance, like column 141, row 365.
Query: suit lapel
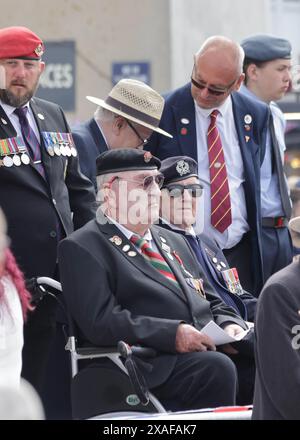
column 120, row 242
column 184, row 114
column 6, row 128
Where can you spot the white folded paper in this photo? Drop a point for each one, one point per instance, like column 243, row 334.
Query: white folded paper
column 219, row 336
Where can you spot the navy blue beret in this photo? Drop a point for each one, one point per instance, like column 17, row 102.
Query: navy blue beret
column 128, row 159
column 178, row 168
column 264, row 47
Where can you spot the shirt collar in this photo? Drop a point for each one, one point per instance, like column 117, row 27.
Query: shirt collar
column 128, row 234
column 9, row 109
column 189, row 231
column 223, row 108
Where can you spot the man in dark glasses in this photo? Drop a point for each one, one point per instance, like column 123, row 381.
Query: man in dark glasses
column 180, row 200
column 127, row 279
column 225, row 133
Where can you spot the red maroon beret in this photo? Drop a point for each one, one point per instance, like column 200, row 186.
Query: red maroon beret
column 20, row 42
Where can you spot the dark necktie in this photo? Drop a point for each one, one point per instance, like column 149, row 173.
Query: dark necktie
column 157, row 261
column 285, row 200
column 30, row 140
column 220, row 196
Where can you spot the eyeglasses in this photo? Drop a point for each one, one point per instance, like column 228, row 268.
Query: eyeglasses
column 195, row 190
column 212, row 91
column 147, row 182
column 143, row 141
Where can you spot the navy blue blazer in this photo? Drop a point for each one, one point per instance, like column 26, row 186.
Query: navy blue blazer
column 212, row 261
column 90, row 144
column 180, row 105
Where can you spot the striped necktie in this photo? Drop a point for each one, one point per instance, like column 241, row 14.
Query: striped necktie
column 30, row 139
column 220, row 196
column 157, row 261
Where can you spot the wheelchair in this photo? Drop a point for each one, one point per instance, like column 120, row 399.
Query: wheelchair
column 105, row 381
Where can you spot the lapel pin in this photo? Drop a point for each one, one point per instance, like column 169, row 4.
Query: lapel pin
column 183, row 131
column 247, row 127
column 165, row 247
column 116, row 240
column 163, row 240
column 126, row 248
column 42, row 117
column 248, row 119
column 247, row 138
column 131, row 254
column 185, row 121
column 3, row 121
column 215, row 260
column 223, row 264
column 217, row 164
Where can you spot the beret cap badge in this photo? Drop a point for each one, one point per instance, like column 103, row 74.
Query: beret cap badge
column 39, row 50
column 147, row 156
column 182, row 167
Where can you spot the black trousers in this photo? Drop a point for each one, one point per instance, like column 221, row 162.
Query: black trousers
column 199, row 380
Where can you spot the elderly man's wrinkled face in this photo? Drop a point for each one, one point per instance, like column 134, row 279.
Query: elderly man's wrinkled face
column 179, row 202
column 22, row 77
column 135, row 197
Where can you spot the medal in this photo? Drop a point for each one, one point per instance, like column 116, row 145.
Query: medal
column 25, row 159
column 50, row 151
column 17, row 160
column 73, row 151
column 63, row 150
column 68, row 151
column 8, row 162
column 57, row 150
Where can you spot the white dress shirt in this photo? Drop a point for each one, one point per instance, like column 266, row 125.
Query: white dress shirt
column 235, row 173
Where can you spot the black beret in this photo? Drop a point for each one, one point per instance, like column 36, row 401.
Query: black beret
column 264, row 47
column 128, row 159
column 178, row 168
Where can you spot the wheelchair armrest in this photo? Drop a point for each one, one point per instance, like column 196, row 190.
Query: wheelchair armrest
column 86, row 351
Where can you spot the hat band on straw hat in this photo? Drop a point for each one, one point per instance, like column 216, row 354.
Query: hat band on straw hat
column 118, row 105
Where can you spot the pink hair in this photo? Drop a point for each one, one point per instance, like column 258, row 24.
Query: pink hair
column 11, row 268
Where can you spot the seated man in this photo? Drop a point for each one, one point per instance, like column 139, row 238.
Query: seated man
column 277, row 383
column 124, row 278
column 179, row 203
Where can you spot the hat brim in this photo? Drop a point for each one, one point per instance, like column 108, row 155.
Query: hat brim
column 103, row 104
column 178, row 179
column 294, row 224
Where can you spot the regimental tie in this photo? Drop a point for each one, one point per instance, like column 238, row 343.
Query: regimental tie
column 220, row 196
column 157, row 261
column 30, row 140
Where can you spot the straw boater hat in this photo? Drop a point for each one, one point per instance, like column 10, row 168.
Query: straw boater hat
column 135, row 101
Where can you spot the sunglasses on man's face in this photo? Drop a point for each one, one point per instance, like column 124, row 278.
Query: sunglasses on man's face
column 195, row 190
column 147, row 182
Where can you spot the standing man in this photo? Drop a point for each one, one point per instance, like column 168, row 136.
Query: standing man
column 43, row 194
column 125, row 119
column 267, row 78
column 224, row 132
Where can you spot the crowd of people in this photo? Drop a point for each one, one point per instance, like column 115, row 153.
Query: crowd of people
column 158, row 215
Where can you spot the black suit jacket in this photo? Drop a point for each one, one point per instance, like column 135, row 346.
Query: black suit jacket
column 277, row 329
column 33, row 206
column 90, row 144
column 115, row 295
column 179, row 105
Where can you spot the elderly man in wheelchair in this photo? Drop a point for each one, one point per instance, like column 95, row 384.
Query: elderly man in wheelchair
column 124, row 278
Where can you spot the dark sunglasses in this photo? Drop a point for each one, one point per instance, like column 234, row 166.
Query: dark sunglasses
column 213, row 92
column 147, row 182
column 195, row 190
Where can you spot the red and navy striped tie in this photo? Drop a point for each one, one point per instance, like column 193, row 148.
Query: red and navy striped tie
column 157, row 261
column 220, row 196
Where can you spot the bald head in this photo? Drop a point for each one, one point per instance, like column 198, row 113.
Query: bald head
column 218, row 67
column 227, row 53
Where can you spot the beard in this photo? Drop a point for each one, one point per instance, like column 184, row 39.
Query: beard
column 17, row 101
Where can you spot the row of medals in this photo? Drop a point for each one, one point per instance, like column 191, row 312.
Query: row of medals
column 62, row 149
